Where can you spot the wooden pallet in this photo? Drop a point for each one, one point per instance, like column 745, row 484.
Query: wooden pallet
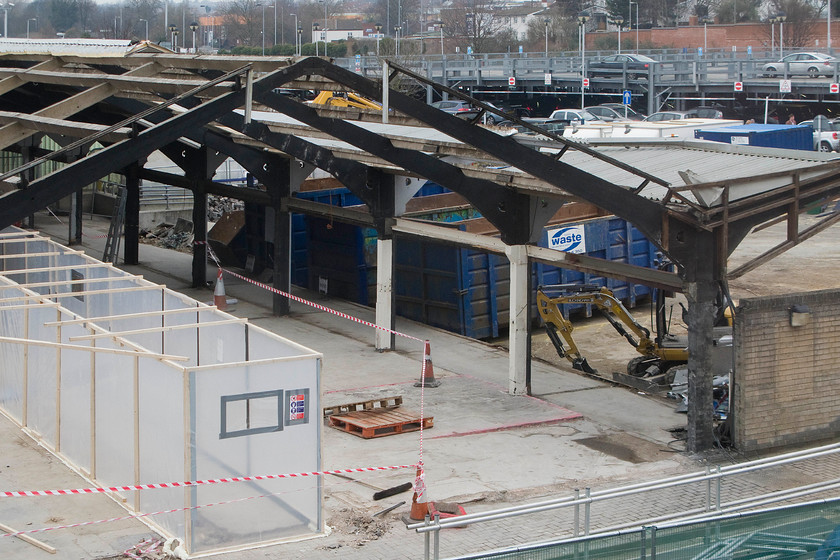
column 380, row 422
column 372, row 404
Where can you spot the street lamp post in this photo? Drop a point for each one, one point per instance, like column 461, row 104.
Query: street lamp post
column 147, row 27
column 637, row 26
column 194, row 28
column 296, row 26
column 315, row 28
column 175, row 40
column 397, row 30
column 441, row 38
column 6, row 7
column 582, row 19
column 262, row 33
column 300, row 39
column 705, row 44
column 325, row 27
column 378, row 28
column 619, row 21
column 773, row 36
column 781, row 17
column 172, row 28
column 546, row 21
column 27, row 25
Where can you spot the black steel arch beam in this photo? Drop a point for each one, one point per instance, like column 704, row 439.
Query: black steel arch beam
column 645, row 215
column 507, row 209
column 59, row 184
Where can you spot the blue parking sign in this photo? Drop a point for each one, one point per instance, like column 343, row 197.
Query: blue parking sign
column 626, row 97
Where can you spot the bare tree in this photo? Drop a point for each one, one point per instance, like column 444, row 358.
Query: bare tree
column 800, row 23
column 474, row 22
column 242, row 21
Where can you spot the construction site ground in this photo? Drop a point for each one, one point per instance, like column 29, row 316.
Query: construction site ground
column 487, row 449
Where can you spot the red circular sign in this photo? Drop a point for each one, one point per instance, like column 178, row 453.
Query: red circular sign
column 739, row 86
column 586, row 82
column 512, row 81
column 834, row 88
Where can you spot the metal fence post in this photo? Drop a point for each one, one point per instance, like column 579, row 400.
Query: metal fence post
column 437, row 537
column 587, row 512
column 577, row 512
column 653, row 543
column 426, row 538
column 717, row 503
column 643, row 539
column 708, row 490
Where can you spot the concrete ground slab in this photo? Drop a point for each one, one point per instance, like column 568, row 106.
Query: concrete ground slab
column 487, row 448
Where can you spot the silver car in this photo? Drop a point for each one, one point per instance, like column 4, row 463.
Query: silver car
column 802, row 64
column 574, row 115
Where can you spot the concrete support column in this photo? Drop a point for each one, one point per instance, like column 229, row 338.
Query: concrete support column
column 199, row 220
column 74, row 235
column 131, row 226
column 701, row 316
column 282, row 272
column 518, row 383
column 384, row 294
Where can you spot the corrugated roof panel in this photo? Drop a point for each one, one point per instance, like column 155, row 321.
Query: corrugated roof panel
column 75, row 47
column 672, row 160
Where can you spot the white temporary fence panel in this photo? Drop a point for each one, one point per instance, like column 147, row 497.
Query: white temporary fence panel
column 256, row 418
column 231, row 400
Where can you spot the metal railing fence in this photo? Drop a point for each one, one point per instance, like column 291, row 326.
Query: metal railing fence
column 704, row 491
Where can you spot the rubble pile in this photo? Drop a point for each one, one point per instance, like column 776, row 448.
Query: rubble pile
column 217, row 206
column 178, row 236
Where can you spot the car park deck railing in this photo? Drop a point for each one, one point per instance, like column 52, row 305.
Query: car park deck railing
column 722, row 490
column 807, row 530
column 704, row 76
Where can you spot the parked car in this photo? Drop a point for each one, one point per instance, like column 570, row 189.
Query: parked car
column 624, row 109
column 466, row 110
column 608, row 114
column 667, row 116
column 637, row 65
column 826, row 133
column 456, row 107
column 811, row 64
column 703, row 112
column 574, row 115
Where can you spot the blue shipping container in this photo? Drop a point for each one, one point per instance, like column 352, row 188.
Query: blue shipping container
column 765, row 135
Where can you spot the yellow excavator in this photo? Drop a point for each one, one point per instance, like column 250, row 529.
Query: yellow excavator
column 659, row 355
column 345, row 99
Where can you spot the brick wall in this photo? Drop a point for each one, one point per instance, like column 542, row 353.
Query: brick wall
column 786, row 389
column 723, row 36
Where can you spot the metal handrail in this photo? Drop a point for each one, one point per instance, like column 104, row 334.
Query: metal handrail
column 429, row 526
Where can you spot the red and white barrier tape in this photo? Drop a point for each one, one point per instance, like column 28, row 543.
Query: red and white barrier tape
column 138, row 548
column 104, row 490
column 174, row 510
column 321, row 307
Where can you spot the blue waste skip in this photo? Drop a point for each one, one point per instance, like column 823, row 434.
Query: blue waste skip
column 459, row 289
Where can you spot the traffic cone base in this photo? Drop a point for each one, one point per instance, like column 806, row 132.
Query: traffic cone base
column 219, row 297
column 427, row 372
column 419, row 510
column 419, row 507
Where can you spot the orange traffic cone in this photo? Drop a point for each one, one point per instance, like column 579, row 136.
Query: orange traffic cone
column 427, row 371
column 420, row 501
column 219, row 297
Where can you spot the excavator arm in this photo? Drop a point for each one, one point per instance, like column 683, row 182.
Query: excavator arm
column 605, row 301
column 347, row 99
column 556, row 326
